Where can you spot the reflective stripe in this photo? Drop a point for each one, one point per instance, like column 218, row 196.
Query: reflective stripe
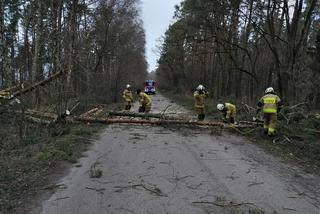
column 271, row 131
column 269, row 100
column 269, row 103
column 269, row 110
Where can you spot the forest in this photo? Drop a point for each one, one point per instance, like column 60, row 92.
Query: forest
column 99, row 45
column 239, row 48
column 64, row 65
column 57, row 55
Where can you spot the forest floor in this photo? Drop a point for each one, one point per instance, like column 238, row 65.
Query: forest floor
column 170, row 169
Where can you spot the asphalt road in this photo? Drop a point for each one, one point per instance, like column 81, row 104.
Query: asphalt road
column 148, row 169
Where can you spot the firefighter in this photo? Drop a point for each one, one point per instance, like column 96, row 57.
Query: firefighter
column 145, row 101
column 270, row 104
column 128, row 97
column 199, row 96
column 228, row 112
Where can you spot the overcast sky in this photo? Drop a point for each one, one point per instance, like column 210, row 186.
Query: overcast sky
column 156, row 15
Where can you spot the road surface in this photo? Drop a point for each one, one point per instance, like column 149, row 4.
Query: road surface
column 148, row 169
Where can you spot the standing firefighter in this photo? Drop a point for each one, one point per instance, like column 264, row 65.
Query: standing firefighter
column 128, row 98
column 270, row 104
column 145, row 101
column 199, row 96
column 228, row 112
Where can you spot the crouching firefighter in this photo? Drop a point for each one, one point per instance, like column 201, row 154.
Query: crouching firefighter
column 228, row 112
column 128, row 98
column 145, row 101
column 270, row 104
column 199, row 97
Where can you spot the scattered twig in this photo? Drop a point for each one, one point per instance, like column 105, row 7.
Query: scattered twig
column 53, row 186
column 232, row 177
column 182, row 178
column 194, row 187
column 100, row 190
column 257, row 183
column 74, row 107
column 153, row 190
column 297, row 105
column 221, row 204
column 57, row 199
column 286, row 118
column 164, row 111
column 286, row 208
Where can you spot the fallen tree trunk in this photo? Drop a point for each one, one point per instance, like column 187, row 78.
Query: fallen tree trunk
column 40, row 114
column 93, row 112
column 12, row 88
column 38, row 120
column 155, row 122
column 142, row 115
column 34, row 86
column 257, row 123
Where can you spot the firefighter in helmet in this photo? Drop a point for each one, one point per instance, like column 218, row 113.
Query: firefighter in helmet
column 145, row 101
column 199, row 96
column 270, row 104
column 128, row 97
column 228, row 112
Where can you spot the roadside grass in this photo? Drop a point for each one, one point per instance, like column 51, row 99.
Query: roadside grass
column 32, row 154
column 298, row 138
column 25, row 165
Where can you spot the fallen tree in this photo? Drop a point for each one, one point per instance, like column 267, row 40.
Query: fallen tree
column 95, row 112
column 155, row 122
column 92, row 116
column 36, row 85
column 12, row 88
column 20, row 90
column 35, row 113
column 142, row 115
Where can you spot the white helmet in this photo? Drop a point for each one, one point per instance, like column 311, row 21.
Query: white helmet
column 128, row 86
column 220, row 106
column 200, row 88
column 269, row 90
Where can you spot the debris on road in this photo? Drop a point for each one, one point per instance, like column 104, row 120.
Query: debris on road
column 99, row 190
column 151, row 189
column 95, row 173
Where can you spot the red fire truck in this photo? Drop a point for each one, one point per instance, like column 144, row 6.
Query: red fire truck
column 150, row 87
